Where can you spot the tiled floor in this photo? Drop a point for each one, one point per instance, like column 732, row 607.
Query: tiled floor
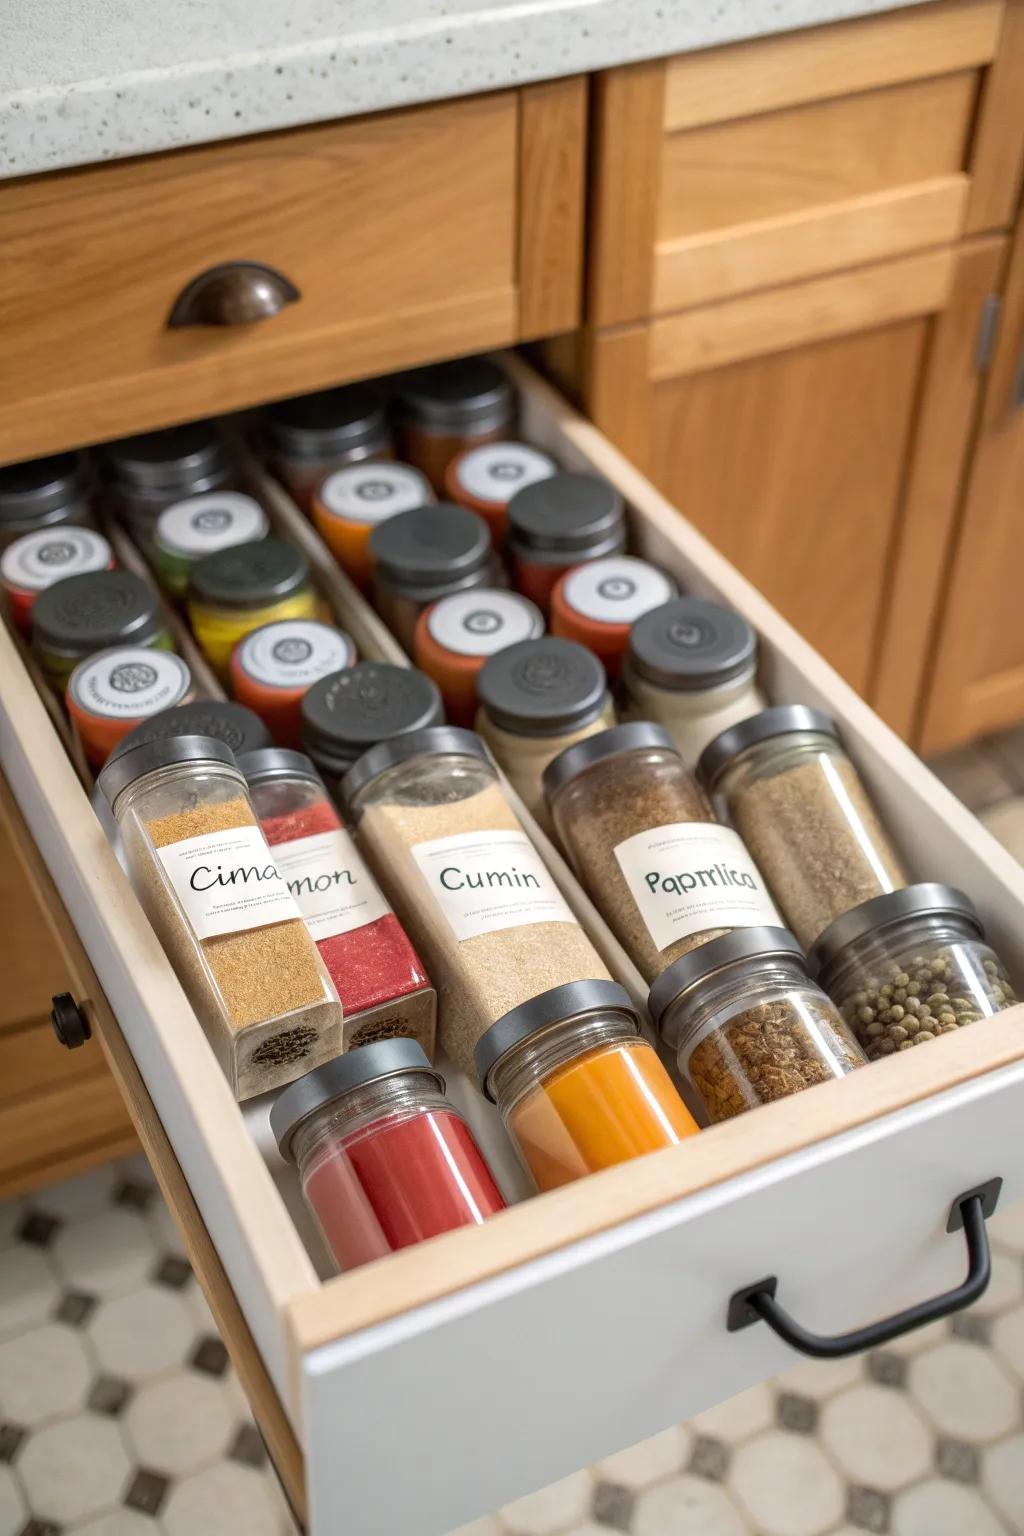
column 120, row 1416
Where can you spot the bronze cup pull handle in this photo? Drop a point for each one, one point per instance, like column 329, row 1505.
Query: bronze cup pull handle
column 233, row 293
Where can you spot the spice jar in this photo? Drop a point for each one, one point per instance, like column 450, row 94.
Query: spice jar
column 144, row 474
column 208, row 883
column 597, row 603
column 379, row 977
column 189, row 530
column 692, row 666
column 577, row 1085
column 645, row 843
column 448, row 407
column 81, row 615
column 275, row 666
column 748, row 1024
column 310, row 435
column 238, row 590
column 419, row 557
column 349, row 504
column 557, row 523
column 911, row 965
column 384, row 1158
column 345, row 714
column 799, row 805
column 236, row 727
column 44, row 493
column 454, row 638
column 110, row 694
column 38, row 560
column 474, row 893
column 485, row 479
column 536, row 699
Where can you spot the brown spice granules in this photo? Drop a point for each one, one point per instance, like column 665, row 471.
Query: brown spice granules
column 817, row 839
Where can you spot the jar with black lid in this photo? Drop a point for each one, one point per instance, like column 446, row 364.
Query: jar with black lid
column 560, row 522
column 223, row 720
column 239, row 589
column 308, row 436
column 149, row 472
column 910, row 965
column 423, row 555
column 536, row 699
column 345, row 714
column 92, row 612
column 447, row 407
column 43, row 493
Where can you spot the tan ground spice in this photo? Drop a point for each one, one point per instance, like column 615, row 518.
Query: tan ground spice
column 479, row 979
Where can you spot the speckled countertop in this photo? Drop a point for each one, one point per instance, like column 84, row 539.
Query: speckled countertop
column 88, row 80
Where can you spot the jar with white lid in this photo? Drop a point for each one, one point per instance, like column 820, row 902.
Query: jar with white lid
column 692, row 666
column 274, row 667
column 147, row 473
column 485, row 479
column 349, row 503
column 454, row 638
column 598, row 603
column 189, row 530
column 38, row 561
column 111, row 693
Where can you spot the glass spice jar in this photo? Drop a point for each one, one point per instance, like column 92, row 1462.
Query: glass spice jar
column 114, row 691
column 421, row 556
column 38, row 560
column 644, row 841
column 692, row 666
column 349, row 504
column 536, row 699
column 275, row 666
column 377, row 973
column 577, row 1085
column 384, row 1158
column 799, row 804
column 911, row 965
column 238, row 590
column 560, row 522
column 346, row 713
column 208, row 883
column 485, row 479
column 747, row 1023
column 308, row 436
column 473, row 891
column 44, row 493
column 200, row 526
column 598, row 603
column 454, row 638
column 81, row 615
column 448, row 407
column 147, row 473
column 225, row 721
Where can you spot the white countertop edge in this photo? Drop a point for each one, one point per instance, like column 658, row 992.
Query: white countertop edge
column 144, row 111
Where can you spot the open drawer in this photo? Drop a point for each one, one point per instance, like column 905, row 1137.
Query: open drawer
column 452, row 1377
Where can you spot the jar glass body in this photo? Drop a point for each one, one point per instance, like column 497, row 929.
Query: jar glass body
column 218, row 629
column 693, row 717
column 801, row 808
column 523, row 759
column 911, row 980
column 390, row 1164
column 755, row 1031
column 262, row 993
column 586, row 1094
column 400, row 606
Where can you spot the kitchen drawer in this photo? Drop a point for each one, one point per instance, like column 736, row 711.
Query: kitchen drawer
column 764, row 162
column 407, row 236
column 491, row 1360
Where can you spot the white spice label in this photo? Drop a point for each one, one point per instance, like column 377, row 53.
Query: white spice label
column 333, row 887
column 202, row 525
column 294, row 653
column 485, row 882
column 228, row 882
column 483, row 621
column 617, row 589
column 371, row 493
column 690, row 876
column 130, row 682
column 495, row 471
column 35, row 561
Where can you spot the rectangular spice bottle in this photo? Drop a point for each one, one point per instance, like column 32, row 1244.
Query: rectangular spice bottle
column 208, row 883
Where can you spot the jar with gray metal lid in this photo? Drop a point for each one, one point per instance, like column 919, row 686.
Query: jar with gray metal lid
column 147, row 473
column 350, row 711
column 692, row 666
column 909, row 966
column 308, row 436
column 803, row 811
column 44, row 493
column 748, row 1024
column 536, row 699
column 445, row 408
column 423, row 555
column 560, row 522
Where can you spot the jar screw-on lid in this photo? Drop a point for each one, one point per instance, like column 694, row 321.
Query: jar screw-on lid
column 565, row 514
column 189, row 453
column 262, row 764
column 634, row 735
column 686, row 973
column 469, row 392
column 542, row 687
column 435, row 741
column 146, row 756
column 355, row 1069
column 926, row 899
column 351, row 710
column 249, row 575
column 690, row 643
column 233, row 724
column 429, row 546
column 39, row 487
column 558, row 1005
column 96, row 609
column 780, row 720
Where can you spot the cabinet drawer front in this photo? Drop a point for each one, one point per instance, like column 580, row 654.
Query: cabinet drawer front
column 498, row 1357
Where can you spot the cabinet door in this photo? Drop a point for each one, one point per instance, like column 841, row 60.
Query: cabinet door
column 977, row 678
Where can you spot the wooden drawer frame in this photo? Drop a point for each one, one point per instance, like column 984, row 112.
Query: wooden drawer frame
column 490, row 1360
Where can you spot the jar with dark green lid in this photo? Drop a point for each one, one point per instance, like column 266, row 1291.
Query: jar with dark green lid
column 423, row 555
column 237, row 590
column 89, row 613
column 308, row 436
column 146, row 473
column 350, row 711
column 237, row 727
column 43, row 493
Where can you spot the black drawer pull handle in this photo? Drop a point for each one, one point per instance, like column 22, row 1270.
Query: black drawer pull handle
column 234, row 293
column 757, row 1303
